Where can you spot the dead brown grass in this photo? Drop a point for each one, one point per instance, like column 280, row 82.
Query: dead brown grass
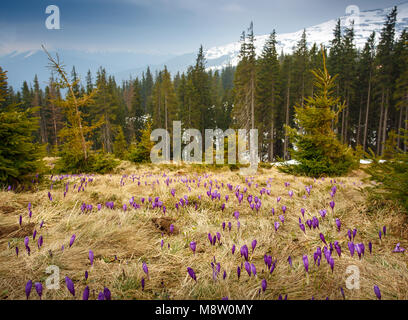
column 122, row 241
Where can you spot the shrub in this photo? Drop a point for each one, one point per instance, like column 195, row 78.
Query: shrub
column 70, row 162
column 20, row 158
column 120, row 145
column 141, row 151
column 317, row 148
column 392, row 175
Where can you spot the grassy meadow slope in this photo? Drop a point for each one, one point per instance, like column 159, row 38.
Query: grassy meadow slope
column 122, row 240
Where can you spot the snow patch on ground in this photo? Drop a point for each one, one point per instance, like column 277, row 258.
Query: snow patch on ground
column 294, row 162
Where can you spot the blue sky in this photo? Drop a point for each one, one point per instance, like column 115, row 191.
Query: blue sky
column 158, row 26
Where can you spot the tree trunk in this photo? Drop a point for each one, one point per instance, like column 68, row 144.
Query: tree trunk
column 378, row 138
column 271, row 147
column 406, row 127
column 347, row 117
column 285, row 145
column 359, row 124
column 399, row 127
column 367, row 112
column 384, row 128
column 252, row 100
column 342, row 127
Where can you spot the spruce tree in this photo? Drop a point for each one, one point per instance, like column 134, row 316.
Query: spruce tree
column 268, row 94
column 120, row 145
column 316, row 147
column 20, row 157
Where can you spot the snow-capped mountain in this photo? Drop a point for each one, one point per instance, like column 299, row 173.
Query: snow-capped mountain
column 365, row 22
column 124, row 65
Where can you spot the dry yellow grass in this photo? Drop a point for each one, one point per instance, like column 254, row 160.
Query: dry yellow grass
column 133, row 238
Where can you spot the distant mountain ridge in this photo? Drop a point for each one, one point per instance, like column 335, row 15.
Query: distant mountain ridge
column 365, row 23
column 126, row 65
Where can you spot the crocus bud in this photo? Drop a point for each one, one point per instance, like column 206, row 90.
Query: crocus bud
column 85, row 295
column 28, row 287
column 70, row 286
column 377, row 292
column 39, row 289
column 192, row 273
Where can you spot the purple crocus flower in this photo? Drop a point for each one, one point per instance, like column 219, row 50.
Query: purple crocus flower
column 229, row 226
column 71, row 242
column 142, row 282
column 17, row 251
column 398, row 248
column 338, row 223
column 20, row 220
column 107, row 294
column 263, row 285
column 273, row 266
column 379, row 234
column 85, row 295
column 236, row 215
column 171, row 228
column 342, row 293
column 349, row 234
column 385, row 230
column 248, row 268
column 145, row 269
column 28, row 287
column 244, row 252
column 238, row 272
column 276, row 226
column 193, row 246
column 282, row 219
column 331, row 263
column 332, row 204
column 192, row 274
column 91, row 257
column 302, row 211
column 337, row 247
column 322, row 238
column 370, row 246
column 39, row 289
column 101, row 296
column 70, row 285
column 351, row 248
column 306, row 263
column 302, row 227
column 283, row 209
column 26, row 240
column 233, row 249
column 377, row 292
column 290, row 260
column 210, row 238
column 354, row 233
column 86, row 275
column 253, row 245
column 253, row 269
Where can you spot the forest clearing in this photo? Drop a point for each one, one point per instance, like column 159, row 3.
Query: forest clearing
column 125, row 219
